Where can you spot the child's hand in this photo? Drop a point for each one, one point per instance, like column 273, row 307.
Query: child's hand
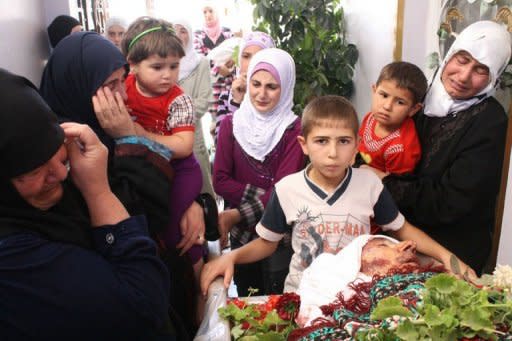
column 222, row 266
column 460, row 269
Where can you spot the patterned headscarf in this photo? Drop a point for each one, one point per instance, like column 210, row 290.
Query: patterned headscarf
column 486, row 41
column 258, row 133
column 256, row 38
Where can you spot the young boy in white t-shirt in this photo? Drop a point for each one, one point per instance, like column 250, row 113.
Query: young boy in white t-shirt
column 327, row 204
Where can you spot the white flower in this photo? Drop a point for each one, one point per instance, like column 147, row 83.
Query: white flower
column 503, row 277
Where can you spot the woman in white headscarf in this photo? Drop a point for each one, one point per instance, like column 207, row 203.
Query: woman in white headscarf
column 256, row 147
column 452, row 193
column 230, row 99
column 115, row 28
column 194, row 78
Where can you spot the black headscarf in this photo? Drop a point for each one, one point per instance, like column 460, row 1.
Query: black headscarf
column 30, row 136
column 77, row 68
column 60, row 27
column 75, row 71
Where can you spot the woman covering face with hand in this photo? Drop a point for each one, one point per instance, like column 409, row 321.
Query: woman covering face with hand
column 252, row 43
column 84, row 82
column 452, row 194
column 73, row 263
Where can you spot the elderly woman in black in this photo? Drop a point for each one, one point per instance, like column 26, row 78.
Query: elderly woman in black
column 73, row 263
column 452, row 193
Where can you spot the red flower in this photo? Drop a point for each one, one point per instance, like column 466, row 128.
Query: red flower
column 262, row 309
column 238, row 302
column 288, row 306
column 271, row 302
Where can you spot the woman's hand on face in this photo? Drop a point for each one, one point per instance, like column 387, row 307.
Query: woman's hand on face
column 87, row 158
column 192, row 228
column 139, row 130
column 238, row 88
column 112, row 113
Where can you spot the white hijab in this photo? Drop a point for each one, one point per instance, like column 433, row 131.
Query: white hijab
column 114, row 21
column 329, row 274
column 258, row 133
column 191, row 59
column 489, row 43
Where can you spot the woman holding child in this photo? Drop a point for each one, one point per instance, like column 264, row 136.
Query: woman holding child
column 452, row 193
column 75, row 90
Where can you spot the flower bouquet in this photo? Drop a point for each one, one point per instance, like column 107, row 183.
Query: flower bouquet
column 450, row 309
column 424, row 305
column 272, row 319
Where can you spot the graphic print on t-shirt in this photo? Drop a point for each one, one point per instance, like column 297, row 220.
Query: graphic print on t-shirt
column 325, row 233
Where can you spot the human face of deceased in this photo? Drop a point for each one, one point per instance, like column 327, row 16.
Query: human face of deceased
column 463, row 76
column 42, row 186
column 156, row 75
column 264, row 91
column 380, row 255
column 331, row 147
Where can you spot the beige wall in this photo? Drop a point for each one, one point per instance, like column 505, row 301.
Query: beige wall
column 23, row 41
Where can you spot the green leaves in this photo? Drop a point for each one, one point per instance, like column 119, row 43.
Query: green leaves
column 451, row 309
column 407, row 331
column 312, row 31
column 389, row 307
column 442, row 283
column 261, row 321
